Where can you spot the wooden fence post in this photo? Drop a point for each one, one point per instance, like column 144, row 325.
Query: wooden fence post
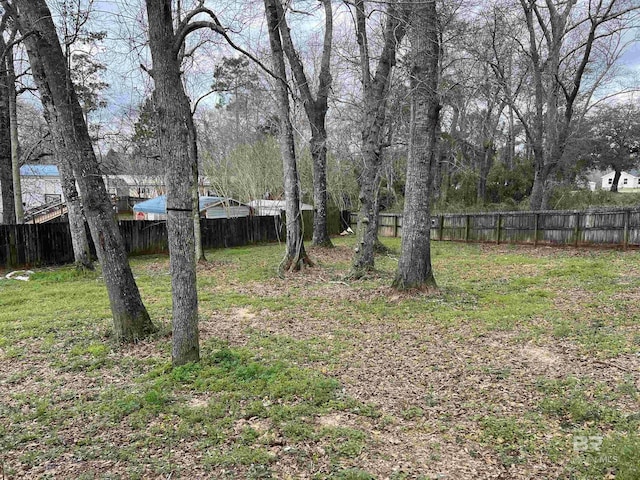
column 466, row 227
column 625, row 235
column 576, row 231
column 441, row 227
column 535, row 229
column 395, row 225
column 498, row 221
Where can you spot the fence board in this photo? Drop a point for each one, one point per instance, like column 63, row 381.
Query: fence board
column 611, row 228
column 50, row 243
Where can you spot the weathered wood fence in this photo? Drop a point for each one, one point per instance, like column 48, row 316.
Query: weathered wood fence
column 50, row 243
column 607, row 228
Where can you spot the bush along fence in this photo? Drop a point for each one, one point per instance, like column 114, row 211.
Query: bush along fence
column 50, row 243
column 607, row 228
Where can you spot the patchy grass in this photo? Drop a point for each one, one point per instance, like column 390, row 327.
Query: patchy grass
column 524, row 364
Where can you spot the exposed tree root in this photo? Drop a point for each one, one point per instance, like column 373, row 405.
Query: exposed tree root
column 294, row 264
column 381, row 248
column 359, row 273
column 84, row 266
column 327, row 243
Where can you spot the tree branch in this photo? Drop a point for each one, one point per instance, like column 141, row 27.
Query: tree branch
column 294, row 60
column 202, row 97
column 214, row 25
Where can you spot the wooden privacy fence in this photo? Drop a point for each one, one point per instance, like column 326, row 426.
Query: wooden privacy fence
column 50, row 243
column 29, row 244
column 148, row 236
column 610, row 228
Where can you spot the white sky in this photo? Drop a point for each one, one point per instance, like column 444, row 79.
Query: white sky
column 124, row 52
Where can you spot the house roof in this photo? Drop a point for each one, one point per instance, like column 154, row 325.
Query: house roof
column 159, row 204
column 39, row 171
column 633, row 173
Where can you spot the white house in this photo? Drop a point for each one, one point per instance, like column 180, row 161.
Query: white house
column 40, row 185
column 145, row 186
column 137, row 186
column 273, row 207
column 627, row 181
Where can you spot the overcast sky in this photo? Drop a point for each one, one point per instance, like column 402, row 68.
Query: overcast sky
column 123, row 53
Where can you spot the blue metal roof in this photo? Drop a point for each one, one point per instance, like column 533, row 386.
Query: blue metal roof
column 39, row 171
column 159, row 204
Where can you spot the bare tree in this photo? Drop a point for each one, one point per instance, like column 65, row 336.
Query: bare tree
column 414, row 267
column 178, row 149
column 564, row 39
column 33, row 18
column 295, row 256
column 316, row 108
column 375, row 88
column 173, row 117
column 73, row 23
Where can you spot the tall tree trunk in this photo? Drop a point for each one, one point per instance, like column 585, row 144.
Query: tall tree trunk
column 6, row 172
column 316, row 111
column 79, row 241
column 367, row 226
column 414, row 266
column 173, row 116
column 375, row 92
column 539, row 177
column 295, row 256
column 15, row 143
column 130, row 319
column 511, row 141
column 318, row 145
column 488, row 152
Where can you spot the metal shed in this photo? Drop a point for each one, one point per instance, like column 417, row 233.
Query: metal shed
column 210, row 207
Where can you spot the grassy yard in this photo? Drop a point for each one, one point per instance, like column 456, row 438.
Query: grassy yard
column 525, row 364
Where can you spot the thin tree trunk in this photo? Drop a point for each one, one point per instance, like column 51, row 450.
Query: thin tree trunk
column 511, row 141
column 79, row 240
column 367, row 226
column 197, row 232
column 173, row 116
column 539, row 179
column 130, row 319
column 295, row 256
column 488, row 152
column 15, row 143
column 316, row 111
column 376, row 91
column 414, row 266
column 616, row 179
column 318, row 145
